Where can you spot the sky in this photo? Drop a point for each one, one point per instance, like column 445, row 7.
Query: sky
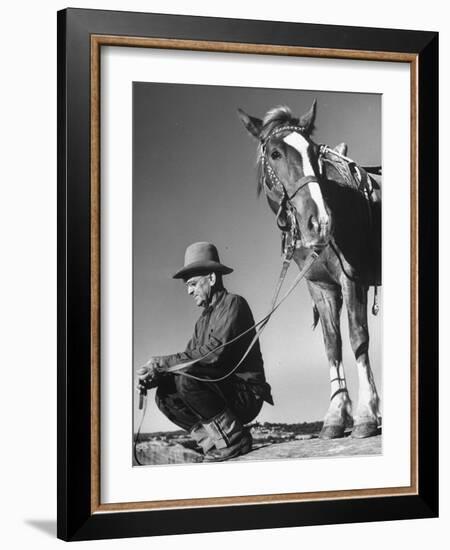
column 194, row 179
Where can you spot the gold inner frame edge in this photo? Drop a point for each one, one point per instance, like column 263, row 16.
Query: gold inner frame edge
column 97, row 41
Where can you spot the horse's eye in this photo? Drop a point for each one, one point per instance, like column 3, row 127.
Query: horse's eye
column 275, row 155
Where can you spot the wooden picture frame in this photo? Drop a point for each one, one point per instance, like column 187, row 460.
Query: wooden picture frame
column 81, row 36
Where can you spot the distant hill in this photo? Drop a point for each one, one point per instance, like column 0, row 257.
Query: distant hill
column 280, row 428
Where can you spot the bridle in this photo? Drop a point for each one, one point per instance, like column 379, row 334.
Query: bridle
column 275, row 190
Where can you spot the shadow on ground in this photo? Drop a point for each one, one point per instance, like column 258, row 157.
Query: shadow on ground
column 47, row 526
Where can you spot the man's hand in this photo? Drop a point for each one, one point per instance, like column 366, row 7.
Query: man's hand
column 149, row 374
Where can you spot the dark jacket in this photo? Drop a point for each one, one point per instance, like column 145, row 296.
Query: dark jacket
column 228, row 316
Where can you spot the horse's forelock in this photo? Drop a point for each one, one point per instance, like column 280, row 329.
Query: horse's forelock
column 276, row 117
column 281, row 113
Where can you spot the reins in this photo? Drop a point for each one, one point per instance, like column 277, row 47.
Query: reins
column 178, row 369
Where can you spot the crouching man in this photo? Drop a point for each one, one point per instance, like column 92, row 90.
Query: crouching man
column 206, row 399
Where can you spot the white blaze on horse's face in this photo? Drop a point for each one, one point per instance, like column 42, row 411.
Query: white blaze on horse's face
column 300, row 144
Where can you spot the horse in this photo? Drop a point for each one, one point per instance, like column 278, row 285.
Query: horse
column 325, row 202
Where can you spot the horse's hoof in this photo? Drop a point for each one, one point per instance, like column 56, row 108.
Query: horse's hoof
column 366, row 429
column 332, row 431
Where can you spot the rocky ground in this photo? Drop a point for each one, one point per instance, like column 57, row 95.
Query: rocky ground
column 151, row 453
column 316, row 448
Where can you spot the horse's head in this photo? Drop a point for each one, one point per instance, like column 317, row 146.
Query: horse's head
column 289, row 171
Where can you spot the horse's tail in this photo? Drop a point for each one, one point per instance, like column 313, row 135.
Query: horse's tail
column 316, row 317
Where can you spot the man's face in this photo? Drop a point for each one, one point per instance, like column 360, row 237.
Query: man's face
column 200, row 288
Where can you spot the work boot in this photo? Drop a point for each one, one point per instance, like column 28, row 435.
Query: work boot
column 241, row 447
column 230, row 437
column 202, row 438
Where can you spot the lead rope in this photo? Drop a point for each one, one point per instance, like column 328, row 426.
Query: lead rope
column 261, row 324
column 143, row 406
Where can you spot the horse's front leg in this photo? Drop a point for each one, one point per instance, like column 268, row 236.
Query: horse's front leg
column 328, row 300
column 367, row 411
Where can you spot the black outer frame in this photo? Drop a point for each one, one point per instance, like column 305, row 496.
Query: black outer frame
column 75, row 521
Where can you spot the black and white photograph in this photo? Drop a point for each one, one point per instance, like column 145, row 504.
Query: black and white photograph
column 257, row 273
column 224, row 280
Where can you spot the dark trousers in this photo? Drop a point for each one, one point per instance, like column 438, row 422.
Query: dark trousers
column 186, row 401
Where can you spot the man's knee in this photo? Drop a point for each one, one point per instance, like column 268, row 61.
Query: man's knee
column 166, row 399
column 173, row 407
column 160, row 400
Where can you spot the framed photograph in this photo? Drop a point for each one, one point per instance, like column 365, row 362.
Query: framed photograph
column 247, row 255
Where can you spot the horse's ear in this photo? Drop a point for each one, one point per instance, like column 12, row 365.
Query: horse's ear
column 252, row 124
column 307, row 120
column 341, row 148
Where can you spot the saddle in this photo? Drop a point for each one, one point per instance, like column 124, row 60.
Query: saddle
column 367, row 182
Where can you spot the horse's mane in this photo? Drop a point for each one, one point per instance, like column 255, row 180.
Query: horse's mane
column 277, row 117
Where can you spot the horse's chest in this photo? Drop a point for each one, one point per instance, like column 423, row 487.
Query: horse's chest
column 322, row 270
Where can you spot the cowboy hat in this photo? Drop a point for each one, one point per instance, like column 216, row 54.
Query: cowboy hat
column 201, row 258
